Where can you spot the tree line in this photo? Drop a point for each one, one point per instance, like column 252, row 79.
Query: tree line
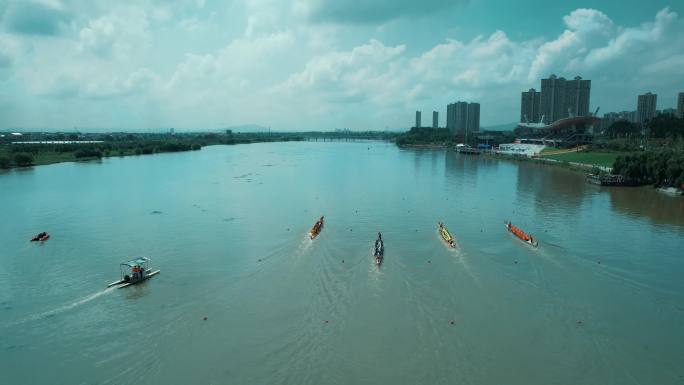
column 660, row 168
column 22, row 155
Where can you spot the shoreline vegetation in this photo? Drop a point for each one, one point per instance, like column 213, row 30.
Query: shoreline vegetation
column 97, row 146
column 659, row 163
column 85, row 147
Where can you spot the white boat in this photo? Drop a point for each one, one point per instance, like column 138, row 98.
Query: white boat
column 134, row 271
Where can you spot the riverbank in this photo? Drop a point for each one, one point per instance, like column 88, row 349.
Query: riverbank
column 27, row 154
column 587, row 157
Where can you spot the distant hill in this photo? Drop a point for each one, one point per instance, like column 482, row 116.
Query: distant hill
column 501, row 127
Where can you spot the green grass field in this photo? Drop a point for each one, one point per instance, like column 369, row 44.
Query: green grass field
column 597, row 158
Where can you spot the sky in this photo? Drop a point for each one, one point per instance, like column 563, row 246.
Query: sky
column 99, row 65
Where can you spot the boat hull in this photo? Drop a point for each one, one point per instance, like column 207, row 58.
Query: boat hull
column 123, row 283
column 521, row 235
column 447, row 237
column 316, row 229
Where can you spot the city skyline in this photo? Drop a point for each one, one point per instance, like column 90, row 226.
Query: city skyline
column 318, row 64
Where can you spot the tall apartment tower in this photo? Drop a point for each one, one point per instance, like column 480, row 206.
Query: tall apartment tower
column 680, row 105
column 646, row 107
column 418, row 119
column 450, row 118
column 561, row 98
column 552, row 98
column 473, row 119
column 577, row 97
column 463, row 116
column 435, row 119
column 529, row 106
column 457, row 115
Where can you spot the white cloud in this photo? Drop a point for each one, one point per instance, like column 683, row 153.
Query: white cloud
column 115, row 34
column 189, row 64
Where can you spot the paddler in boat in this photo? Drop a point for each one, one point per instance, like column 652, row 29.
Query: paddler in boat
column 135, row 271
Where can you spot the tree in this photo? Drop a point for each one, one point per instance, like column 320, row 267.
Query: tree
column 88, row 153
column 622, row 129
column 666, row 126
column 5, row 162
column 23, row 159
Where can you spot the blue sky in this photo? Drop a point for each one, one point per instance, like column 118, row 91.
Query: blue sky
column 320, row 64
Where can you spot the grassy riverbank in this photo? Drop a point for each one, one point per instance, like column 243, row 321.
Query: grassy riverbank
column 590, row 157
column 36, row 154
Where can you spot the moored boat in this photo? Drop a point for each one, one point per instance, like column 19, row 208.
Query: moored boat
column 41, row 237
column 379, row 250
column 446, row 235
column 316, row 229
column 134, row 271
column 523, row 236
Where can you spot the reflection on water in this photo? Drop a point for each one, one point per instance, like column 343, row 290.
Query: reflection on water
column 550, row 186
column 646, row 202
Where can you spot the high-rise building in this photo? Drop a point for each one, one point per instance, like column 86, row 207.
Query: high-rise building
column 680, row 105
column 450, row 117
column 552, row 98
column 463, row 117
column 529, row 106
column 561, row 98
column 457, row 116
column 473, row 119
column 417, row 118
column 646, row 107
column 577, row 93
column 435, row 119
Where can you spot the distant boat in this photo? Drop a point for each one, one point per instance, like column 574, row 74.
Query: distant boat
column 41, row 237
column 521, row 235
column 316, row 229
column 379, row 250
column 446, row 235
column 465, row 149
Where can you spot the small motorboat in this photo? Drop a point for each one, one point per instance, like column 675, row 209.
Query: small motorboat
column 379, row 250
column 316, row 229
column 134, row 271
column 527, row 238
column 42, row 237
column 446, row 236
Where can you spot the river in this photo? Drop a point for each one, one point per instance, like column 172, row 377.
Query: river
column 600, row 301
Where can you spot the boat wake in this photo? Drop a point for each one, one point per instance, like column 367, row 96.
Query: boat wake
column 61, row 309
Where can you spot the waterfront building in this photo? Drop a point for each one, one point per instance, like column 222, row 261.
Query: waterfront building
column 561, row 98
column 680, row 105
column 435, row 119
column 418, row 119
column 646, row 107
column 529, row 106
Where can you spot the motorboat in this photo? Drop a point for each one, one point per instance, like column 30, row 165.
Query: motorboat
column 41, row 237
column 134, row 271
column 316, row 229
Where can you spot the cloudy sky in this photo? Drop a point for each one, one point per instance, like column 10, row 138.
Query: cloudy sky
column 321, row 64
